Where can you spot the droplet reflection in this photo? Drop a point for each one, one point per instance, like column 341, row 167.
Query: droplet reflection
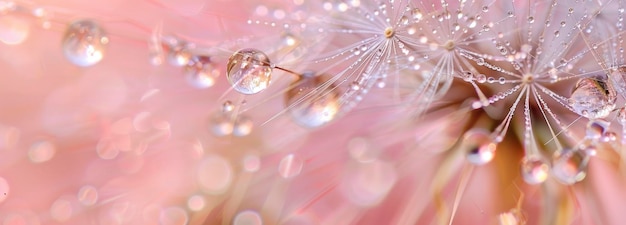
column 84, row 43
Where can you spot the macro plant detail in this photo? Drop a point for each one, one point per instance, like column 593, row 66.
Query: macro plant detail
column 313, row 112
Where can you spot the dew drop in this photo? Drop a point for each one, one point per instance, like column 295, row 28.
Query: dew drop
column 196, row 203
column 290, row 166
column 179, row 54
column 417, row 14
column 87, row 195
column 242, row 126
column 200, row 72
column 41, row 151
column 570, row 166
column 593, row 98
column 596, row 128
column 84, row 43
column 228, row 106
column 480, row 61
column 535, row 170
column 471, row 22
column 248, row 217
column 479, row 145
column 312, row 102
column 221, row 124
column 173, row 216
column 249, row 71
column 621, row 116
column 531, row 19
column 214, row 174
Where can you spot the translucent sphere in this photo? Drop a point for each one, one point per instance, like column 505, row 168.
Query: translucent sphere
column 570, row 165
column 593, row 98
column 249, row 71
column 84, row 43
column 312, row 102
column 535, row 170
column 480, row 147
column 200, row 72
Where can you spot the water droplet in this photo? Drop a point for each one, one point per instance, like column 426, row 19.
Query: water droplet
column 196, row 203
column 312, row 101
column 84, row 43
column 480, row 147
column 228, row 106
column 535, row 170
column 593, row 98
column 249, row 71
column 570, row 165
column 87, row 195
column 417, row 14
column 485, row 8
column 173, row 216
column 4, row 189
column 215, row 174
column 596, row 128
column 621, row 116
column 480, row 61
column 242, row 126
column 222, row 124
column 14, row 29
column 471, row 22
column 200, row 72
column 61, row 210
column 290, row 166
column 510, row 13
column 248, row 217
column 41, row 151
column 179, row 53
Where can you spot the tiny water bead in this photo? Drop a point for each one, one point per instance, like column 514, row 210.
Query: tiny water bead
column 224, row 123
column 249, row 71
column 84, row 43
column 312, row 102
column 200, row 72
column 596, row 129
column 593, row 98
column 570, row 165
column 480, row 147
column 534, row 169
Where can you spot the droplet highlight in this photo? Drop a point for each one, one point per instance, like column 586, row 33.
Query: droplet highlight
column 312, row 102
column 481, row 148
column 200, row 72
column 535, row 170
column 249, row 71
column 84, row 43
column 570, row 165
column 593, row 98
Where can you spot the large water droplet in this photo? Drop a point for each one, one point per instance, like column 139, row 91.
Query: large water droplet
column 593, row 98
column 84, row 43
column 534, row 170
column 249, row 71
column 312, row 102
column 570, row 165
column 200, row 72
column 480, row 147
